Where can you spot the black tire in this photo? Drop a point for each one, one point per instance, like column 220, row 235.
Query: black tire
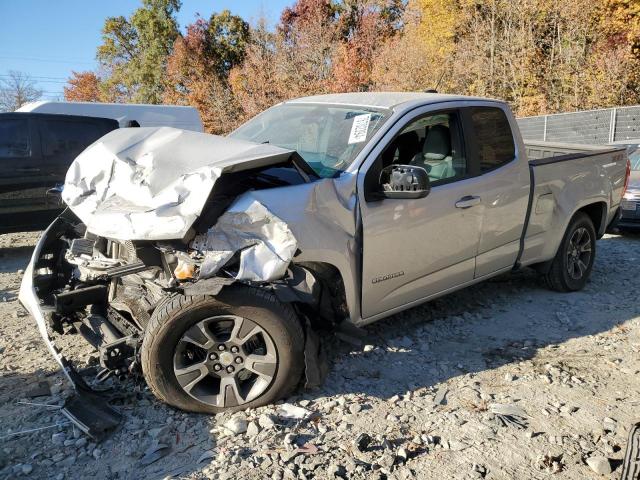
column 562, row 276
column 172, row 319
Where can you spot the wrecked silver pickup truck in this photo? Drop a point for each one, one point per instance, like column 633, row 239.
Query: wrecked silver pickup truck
column 207, row 262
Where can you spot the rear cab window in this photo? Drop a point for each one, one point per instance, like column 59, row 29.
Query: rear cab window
column 493, row 136
column 14, row 138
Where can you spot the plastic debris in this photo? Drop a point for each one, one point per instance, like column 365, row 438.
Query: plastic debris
column 509, row 415
column 440, row 397
column 293, row 412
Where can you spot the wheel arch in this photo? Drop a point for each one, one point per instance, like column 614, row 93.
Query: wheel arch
column 597, row 212
column 327, row 297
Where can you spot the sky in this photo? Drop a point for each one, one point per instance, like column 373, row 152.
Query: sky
column 48, row 39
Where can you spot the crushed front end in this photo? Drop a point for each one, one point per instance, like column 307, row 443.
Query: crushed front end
column 103, row 289
column 142, row 235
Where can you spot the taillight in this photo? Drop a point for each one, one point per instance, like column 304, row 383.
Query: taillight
column 626, row 178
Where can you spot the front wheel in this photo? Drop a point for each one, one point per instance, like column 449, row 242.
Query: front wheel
column 238, row 350
column 572, row 264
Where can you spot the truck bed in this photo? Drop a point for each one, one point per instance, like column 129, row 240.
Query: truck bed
column 563, row 177
column 541, row 153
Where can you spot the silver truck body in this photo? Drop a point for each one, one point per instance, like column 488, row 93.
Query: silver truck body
column 392, row 254
column 449, row 248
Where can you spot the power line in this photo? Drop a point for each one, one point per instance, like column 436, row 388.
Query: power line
column 38, row 77
column 45, row 60
column 56, row 82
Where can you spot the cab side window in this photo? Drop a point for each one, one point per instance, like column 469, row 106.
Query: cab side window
column 494, row 138
column 14, row 138
column 432, row 142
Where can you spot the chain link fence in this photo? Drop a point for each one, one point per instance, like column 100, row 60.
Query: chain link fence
column 590, row 126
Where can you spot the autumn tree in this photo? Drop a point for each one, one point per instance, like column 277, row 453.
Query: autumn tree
column 259, row 83
column 616, row 78
column 198, row 69
column 364, row 27
column 308, row 35
column 226, row 39
column 134, row 51
column 539, row 55
column 293, row 61
column 421, row 56
column 82, row 87
column 17, row 89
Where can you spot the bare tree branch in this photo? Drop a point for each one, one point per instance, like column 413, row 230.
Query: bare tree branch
column 16, row 90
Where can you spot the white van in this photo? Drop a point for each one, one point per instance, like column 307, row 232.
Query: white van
column 186, row 118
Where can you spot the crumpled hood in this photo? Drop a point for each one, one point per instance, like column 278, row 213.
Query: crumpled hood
column 152, row 183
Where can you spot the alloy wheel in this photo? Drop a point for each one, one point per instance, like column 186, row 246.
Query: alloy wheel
column 225, row 361
column 579, row 253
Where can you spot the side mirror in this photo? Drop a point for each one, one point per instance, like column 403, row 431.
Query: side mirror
column 404, row 181
column 53, row 196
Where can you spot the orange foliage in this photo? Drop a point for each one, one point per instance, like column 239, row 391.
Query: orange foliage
column 542, row 56
column 192, row 79
column 83, row 87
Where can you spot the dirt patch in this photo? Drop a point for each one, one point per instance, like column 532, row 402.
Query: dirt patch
column 501, row 380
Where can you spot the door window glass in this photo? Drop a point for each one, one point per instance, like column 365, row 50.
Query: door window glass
column 14, row 138
column 69, row 138
column 493, row 136
column 433, row 143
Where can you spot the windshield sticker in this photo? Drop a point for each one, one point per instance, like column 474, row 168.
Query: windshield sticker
column 359, row 128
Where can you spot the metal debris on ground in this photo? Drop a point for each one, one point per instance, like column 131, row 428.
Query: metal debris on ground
column 92, row 414
column 154, row 453
column 32, row 430
column 46, row 405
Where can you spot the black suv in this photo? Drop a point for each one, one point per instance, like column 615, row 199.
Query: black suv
column 36, row 149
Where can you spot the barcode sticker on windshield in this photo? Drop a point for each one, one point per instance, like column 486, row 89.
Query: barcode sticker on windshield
column 359, row 128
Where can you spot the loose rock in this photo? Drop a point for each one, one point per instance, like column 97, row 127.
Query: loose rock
column 236, row 425
column 599, row 465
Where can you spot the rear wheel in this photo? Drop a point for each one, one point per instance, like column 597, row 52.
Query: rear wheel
column 238, row 350
column 572, row 264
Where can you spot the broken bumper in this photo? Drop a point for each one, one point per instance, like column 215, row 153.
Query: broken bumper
column 29, row 299
column 87, row 410
column 47, row 295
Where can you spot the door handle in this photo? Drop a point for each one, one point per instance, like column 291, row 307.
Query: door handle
column 468, row 201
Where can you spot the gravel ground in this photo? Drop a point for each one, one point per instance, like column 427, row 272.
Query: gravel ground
column 500, row 380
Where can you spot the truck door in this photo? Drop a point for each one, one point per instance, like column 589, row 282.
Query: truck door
column 23, row 183
column 416, row 248
column 505, row 183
